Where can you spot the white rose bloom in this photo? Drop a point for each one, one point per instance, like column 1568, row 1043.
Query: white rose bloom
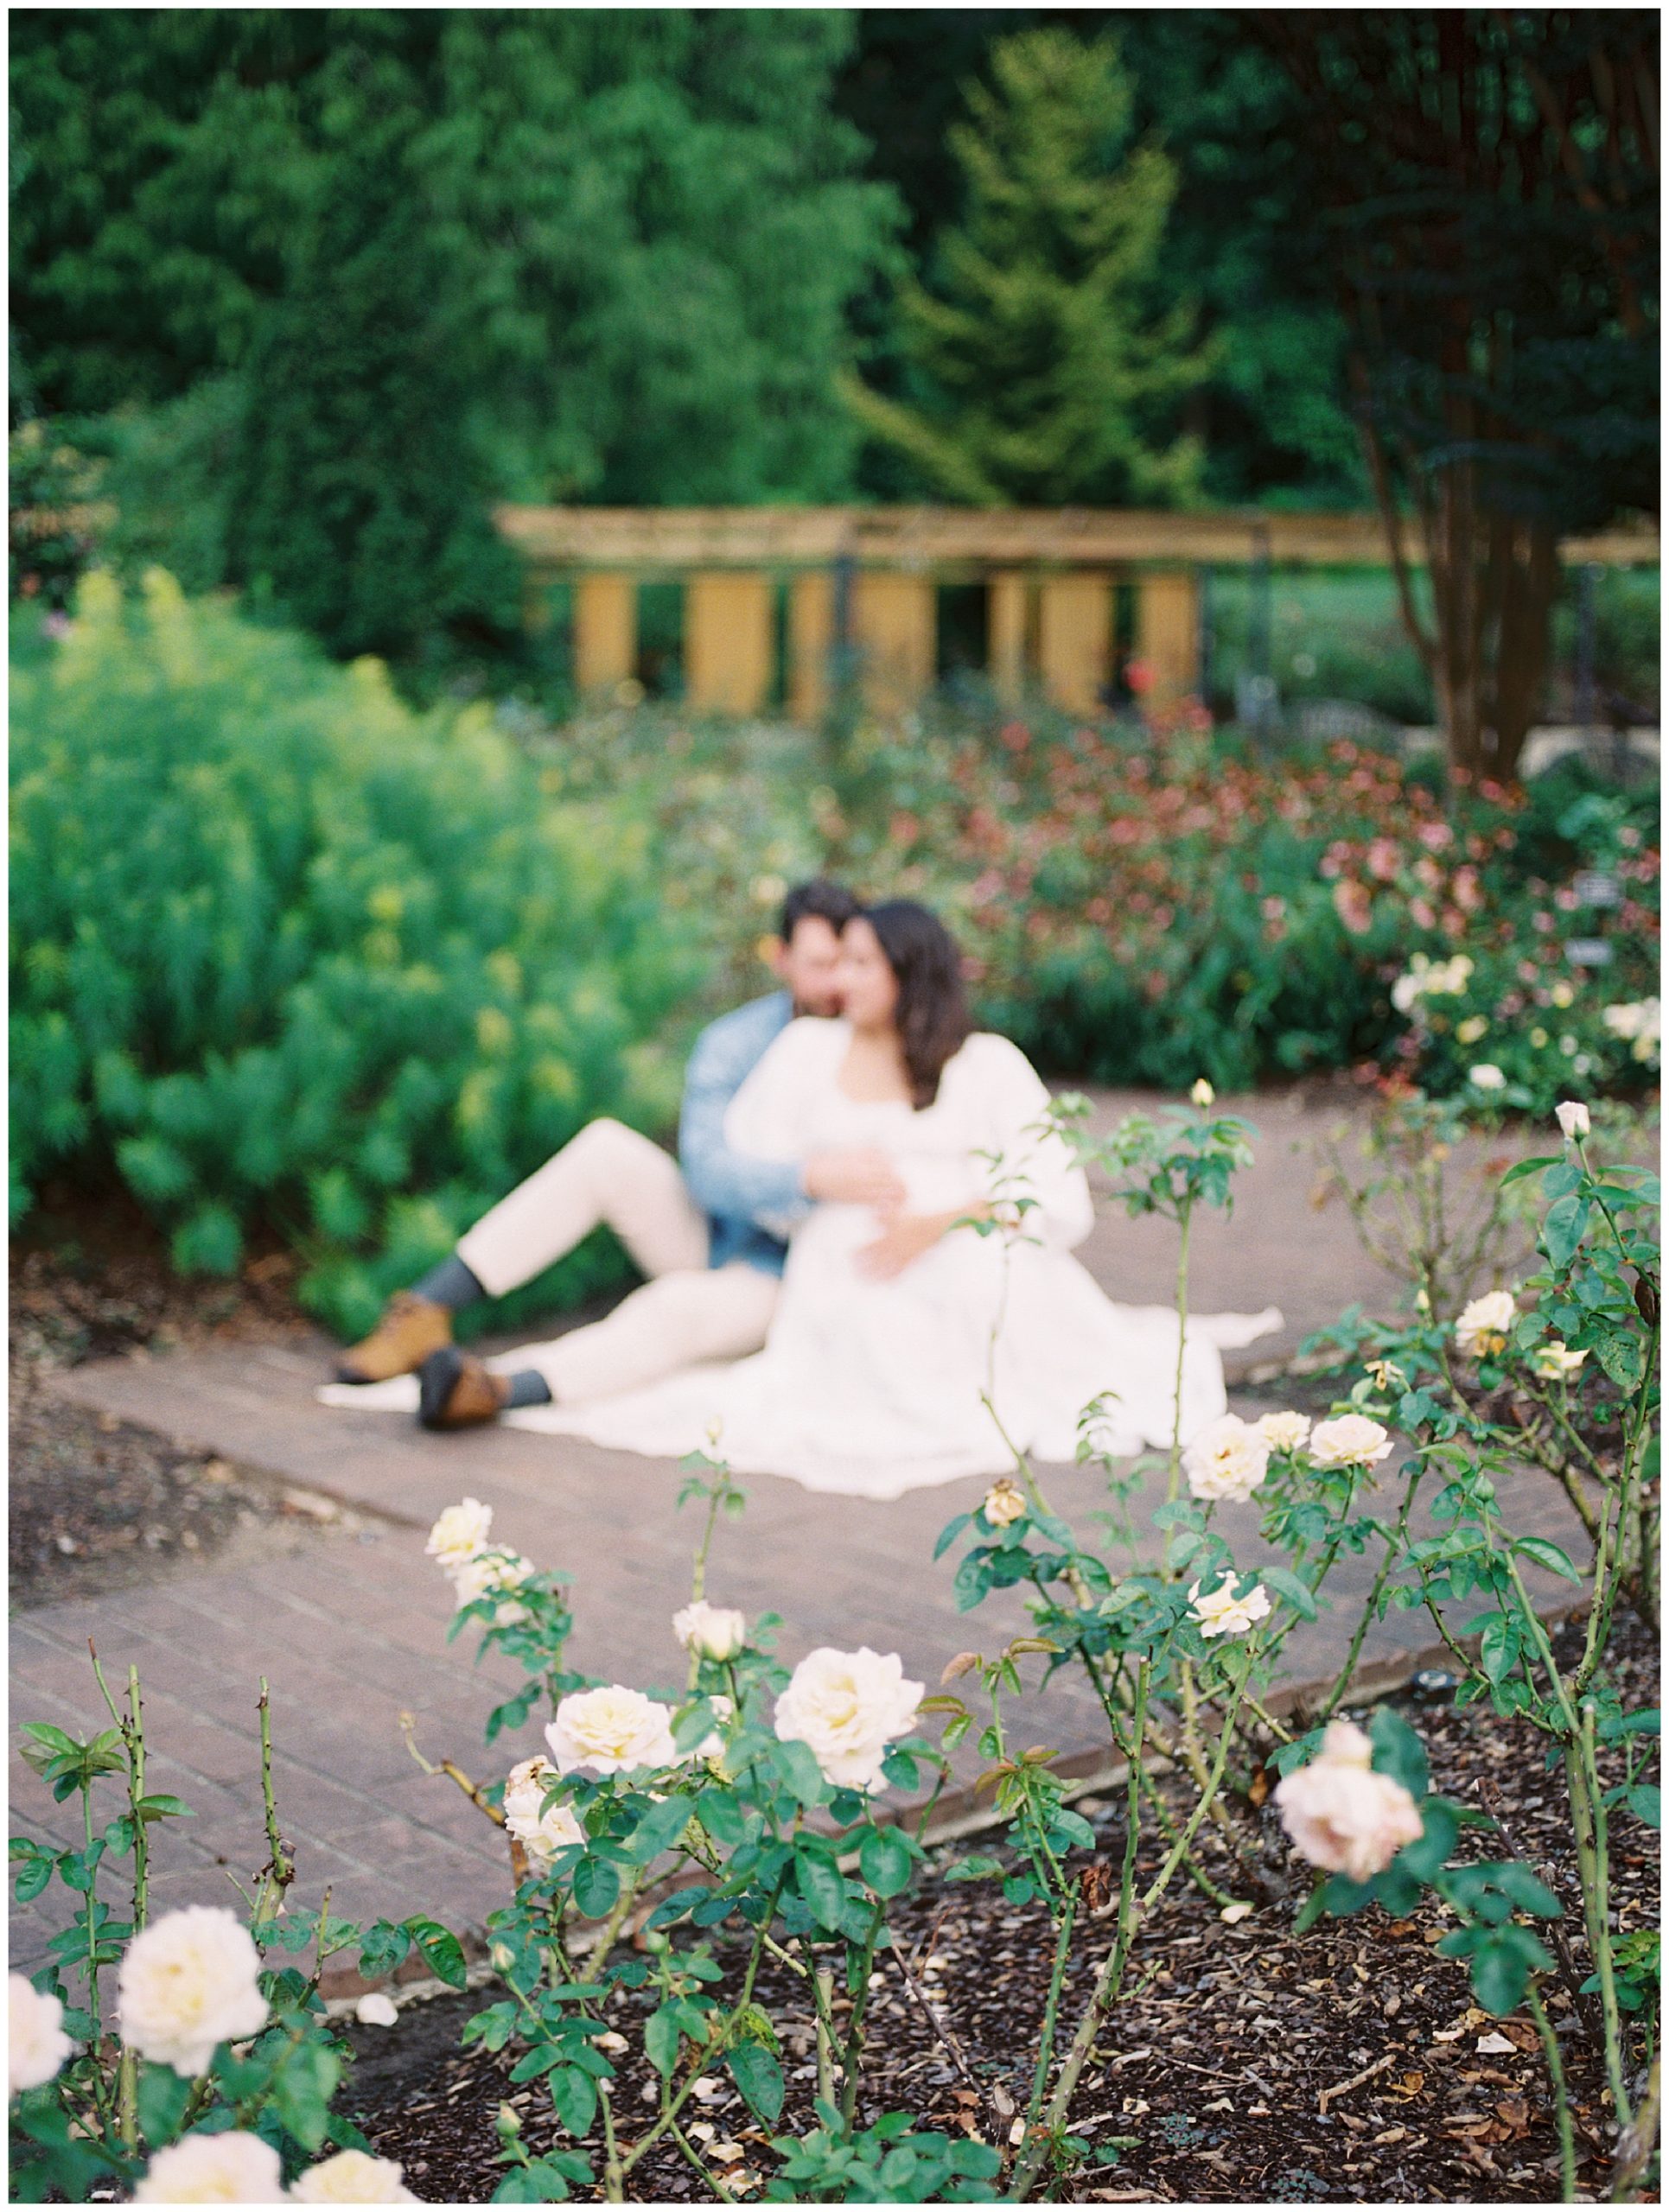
column 541, row 1834
column 712, row 1631
column 1406, row 991
column 1341, row 1815
column 1202, row 1094
column 613, row 1731
column 1556, row 1362
column 460, row 1532
column 1573, row 1117
column 1003, row 1505
column 38, row 2046
column 1351, row 1440
column 1487, row 1077
column 1640, row 1022
column 232, row 2169
column 1219, row 1612
column 353, row 2177
column 1483, row 1325
column 1227, row 1458
column 1284, row 1431
column 847, row 1706
column 483, row 1571
column 187, row 1983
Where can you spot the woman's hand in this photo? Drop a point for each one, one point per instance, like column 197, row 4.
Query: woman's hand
column 859, row 1177
column 903, row 1240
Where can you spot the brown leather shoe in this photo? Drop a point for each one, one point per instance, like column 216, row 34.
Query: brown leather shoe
column 411, row 1328
column 454, row 1390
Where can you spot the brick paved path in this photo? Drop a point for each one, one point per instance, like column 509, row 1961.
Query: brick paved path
column 357, row 1635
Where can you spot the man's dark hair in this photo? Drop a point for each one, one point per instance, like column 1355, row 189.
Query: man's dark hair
column 819, row 900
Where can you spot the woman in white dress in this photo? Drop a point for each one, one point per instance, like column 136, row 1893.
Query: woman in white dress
column 896, row 1337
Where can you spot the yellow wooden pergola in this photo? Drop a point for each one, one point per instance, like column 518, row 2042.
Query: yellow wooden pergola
column 866, row 578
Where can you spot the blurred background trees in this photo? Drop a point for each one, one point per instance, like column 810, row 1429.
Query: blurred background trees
column 301, row 294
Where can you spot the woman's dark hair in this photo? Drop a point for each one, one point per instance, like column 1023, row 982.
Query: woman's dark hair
column 932, row 1014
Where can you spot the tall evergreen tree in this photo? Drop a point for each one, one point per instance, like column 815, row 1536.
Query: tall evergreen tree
column 1046, row 376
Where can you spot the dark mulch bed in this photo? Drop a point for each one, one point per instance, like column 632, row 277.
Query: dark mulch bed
column 96, row 1503
column 1217, row 2064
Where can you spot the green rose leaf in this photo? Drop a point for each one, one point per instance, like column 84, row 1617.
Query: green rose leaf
column 821, row 1885
column 597, row 1885
column 1563, row 1229
column 440, row 1950
column 759, row 2077
column 574, row 2094
column 885, row 1860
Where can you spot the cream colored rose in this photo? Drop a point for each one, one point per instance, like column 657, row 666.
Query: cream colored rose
column 1004, row 1503
column 1468, row 1032
column 1641, row 1023
column 1284, row 1431
column 1573, row 1117
column 846, row 1707
column 460, row 1532
column 1350, row 1440
column 1556, row 1362
column 1487, row 1077
column 613, row 1731
column 712, row 1631
column 1219, row 1612
column 353, row 2177
column 1227, row 1458
column 1483, row 1325
column 541, row 1835
column 482, row 1572
column 1341, row 1816
column 37, row 2045
column 1202, row 1094
column 187, row 1983
column 231, row 2169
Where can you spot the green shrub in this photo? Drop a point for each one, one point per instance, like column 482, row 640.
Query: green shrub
column 286, row 953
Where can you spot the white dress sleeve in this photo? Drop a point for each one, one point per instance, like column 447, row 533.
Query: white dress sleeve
column 1012, row 1100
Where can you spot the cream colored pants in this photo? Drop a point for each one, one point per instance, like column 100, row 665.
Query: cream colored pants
column 687, row 1312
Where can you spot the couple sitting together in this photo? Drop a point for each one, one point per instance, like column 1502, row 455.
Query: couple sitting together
column 816, row 1288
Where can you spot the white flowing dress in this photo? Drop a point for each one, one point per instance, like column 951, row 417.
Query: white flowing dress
column 876, row 1388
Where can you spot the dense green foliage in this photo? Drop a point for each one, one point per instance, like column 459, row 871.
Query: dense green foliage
column 287, row 955
column 1048, row 379
column 445, row 256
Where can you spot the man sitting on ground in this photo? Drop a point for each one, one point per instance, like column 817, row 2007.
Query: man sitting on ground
column 713, row 1271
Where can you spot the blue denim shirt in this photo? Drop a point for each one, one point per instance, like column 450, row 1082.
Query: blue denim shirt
column 730, row 1188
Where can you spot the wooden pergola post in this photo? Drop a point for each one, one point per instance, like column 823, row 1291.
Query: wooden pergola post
column 605, row 630
column 893, row 624
column 728, row 644
column 1168, row 631
column 1075, row 638
column 1005, row 632
column 811, row 645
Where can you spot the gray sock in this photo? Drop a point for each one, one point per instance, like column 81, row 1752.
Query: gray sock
column 451, row 1284
column 529, row 1388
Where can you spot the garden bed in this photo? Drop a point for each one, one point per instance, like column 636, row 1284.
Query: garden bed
column 1347, row 2064
column 98, row 1504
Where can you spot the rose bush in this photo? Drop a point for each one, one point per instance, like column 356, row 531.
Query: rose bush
column 211, row 2079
